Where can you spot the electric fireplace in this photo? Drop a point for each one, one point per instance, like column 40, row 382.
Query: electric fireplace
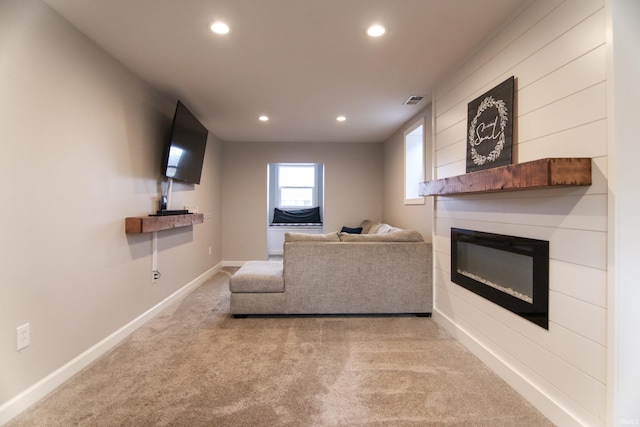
column 510, row 271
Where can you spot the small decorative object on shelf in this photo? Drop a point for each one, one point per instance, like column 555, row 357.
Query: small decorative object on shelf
column 543, row 173
column 147, row 224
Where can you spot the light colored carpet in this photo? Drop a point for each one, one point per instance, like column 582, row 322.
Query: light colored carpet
column 195, row 365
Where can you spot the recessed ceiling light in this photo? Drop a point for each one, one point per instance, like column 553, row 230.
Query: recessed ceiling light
column 219, row 27
column 341, row 118
column 376, row 30
column 263, row 118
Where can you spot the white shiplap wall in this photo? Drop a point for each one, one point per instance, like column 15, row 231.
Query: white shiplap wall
column 556, row 51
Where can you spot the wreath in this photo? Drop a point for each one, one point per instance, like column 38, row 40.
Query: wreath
column 486, row 103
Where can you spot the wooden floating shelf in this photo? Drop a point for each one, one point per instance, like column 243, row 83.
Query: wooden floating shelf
column 147, row 224
column 543, row 173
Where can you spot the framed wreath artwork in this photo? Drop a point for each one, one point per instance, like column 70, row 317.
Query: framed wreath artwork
column 490, row 128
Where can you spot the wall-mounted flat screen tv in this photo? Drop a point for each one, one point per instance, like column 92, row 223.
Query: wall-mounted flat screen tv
column 183, row 156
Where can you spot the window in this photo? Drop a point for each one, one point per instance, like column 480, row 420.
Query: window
column 413, row 163
column 296, row 186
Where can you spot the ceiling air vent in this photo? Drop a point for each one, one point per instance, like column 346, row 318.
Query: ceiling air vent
column 413, row 100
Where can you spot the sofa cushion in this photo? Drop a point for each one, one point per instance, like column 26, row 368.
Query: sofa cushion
column 307, row 237
column 396, row 236
column 258, row 276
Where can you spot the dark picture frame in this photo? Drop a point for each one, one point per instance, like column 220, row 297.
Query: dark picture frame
column 490, row 128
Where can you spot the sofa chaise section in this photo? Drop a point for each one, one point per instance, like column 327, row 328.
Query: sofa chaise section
column 258, row 287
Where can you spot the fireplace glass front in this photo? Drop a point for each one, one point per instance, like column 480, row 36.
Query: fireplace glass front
column 510, row 271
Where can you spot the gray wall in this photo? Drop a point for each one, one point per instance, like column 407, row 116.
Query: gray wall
column 81, row 141
column 394, row 210
column 352, row 188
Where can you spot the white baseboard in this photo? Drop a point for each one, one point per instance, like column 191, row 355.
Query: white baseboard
column 236, row 263
column 233, row 263
column 544, row 403
column 46, row 385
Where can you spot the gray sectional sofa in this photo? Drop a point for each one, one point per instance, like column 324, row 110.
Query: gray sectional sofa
column 387, row 270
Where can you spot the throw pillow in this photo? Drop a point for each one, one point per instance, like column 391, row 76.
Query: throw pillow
column 374, row 228
column 381, row 229
column 396, row 236
column 366, row 226
column 351, row 230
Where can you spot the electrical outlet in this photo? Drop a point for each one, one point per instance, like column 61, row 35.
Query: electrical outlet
column 209, row 250
column 23, row 336
column 155, row 276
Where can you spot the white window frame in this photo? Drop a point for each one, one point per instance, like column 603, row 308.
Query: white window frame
column 314, row 189
column 414, row 162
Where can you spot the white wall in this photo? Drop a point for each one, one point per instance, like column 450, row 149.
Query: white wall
column 394, row 211
column 352, row 189
column 80, row 147
column 557, row 52
column 624, row 206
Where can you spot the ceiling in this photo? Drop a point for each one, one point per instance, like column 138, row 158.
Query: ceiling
column 300, row 62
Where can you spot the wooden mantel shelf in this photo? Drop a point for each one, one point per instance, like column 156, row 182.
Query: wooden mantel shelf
column 543, row 173
column 147, row 224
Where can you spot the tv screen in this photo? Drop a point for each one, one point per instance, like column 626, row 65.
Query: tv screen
column 184, row 152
